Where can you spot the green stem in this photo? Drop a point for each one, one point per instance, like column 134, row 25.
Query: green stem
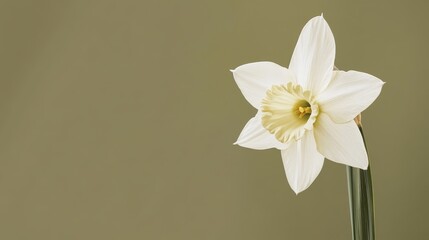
column 361, row 201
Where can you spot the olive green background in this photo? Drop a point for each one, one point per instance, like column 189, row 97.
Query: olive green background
column 117, row 120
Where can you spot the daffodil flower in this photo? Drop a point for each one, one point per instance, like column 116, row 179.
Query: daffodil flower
column 307, row 110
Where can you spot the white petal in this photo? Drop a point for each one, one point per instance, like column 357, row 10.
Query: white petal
column 313, row 58
column 341, row 143
column 254, row 79
column 255, row 136
column 348, row 94
column 302, row 162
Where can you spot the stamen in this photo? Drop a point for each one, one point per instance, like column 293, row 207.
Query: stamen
column 303, row 111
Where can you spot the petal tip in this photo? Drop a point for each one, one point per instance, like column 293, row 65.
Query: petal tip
column 363, row 163
column 364, row 167
column 297, row 190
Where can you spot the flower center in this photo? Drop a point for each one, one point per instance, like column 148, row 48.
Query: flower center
column 303, row 110
column 288, row 111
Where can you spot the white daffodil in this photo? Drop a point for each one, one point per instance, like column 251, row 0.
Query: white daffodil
column 307, row 111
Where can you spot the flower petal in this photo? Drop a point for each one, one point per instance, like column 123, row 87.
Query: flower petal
column 348, row 94
column 313, row 58
column 254, row 79
column 341, row 143
column 255, row 136
column 302, row 162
